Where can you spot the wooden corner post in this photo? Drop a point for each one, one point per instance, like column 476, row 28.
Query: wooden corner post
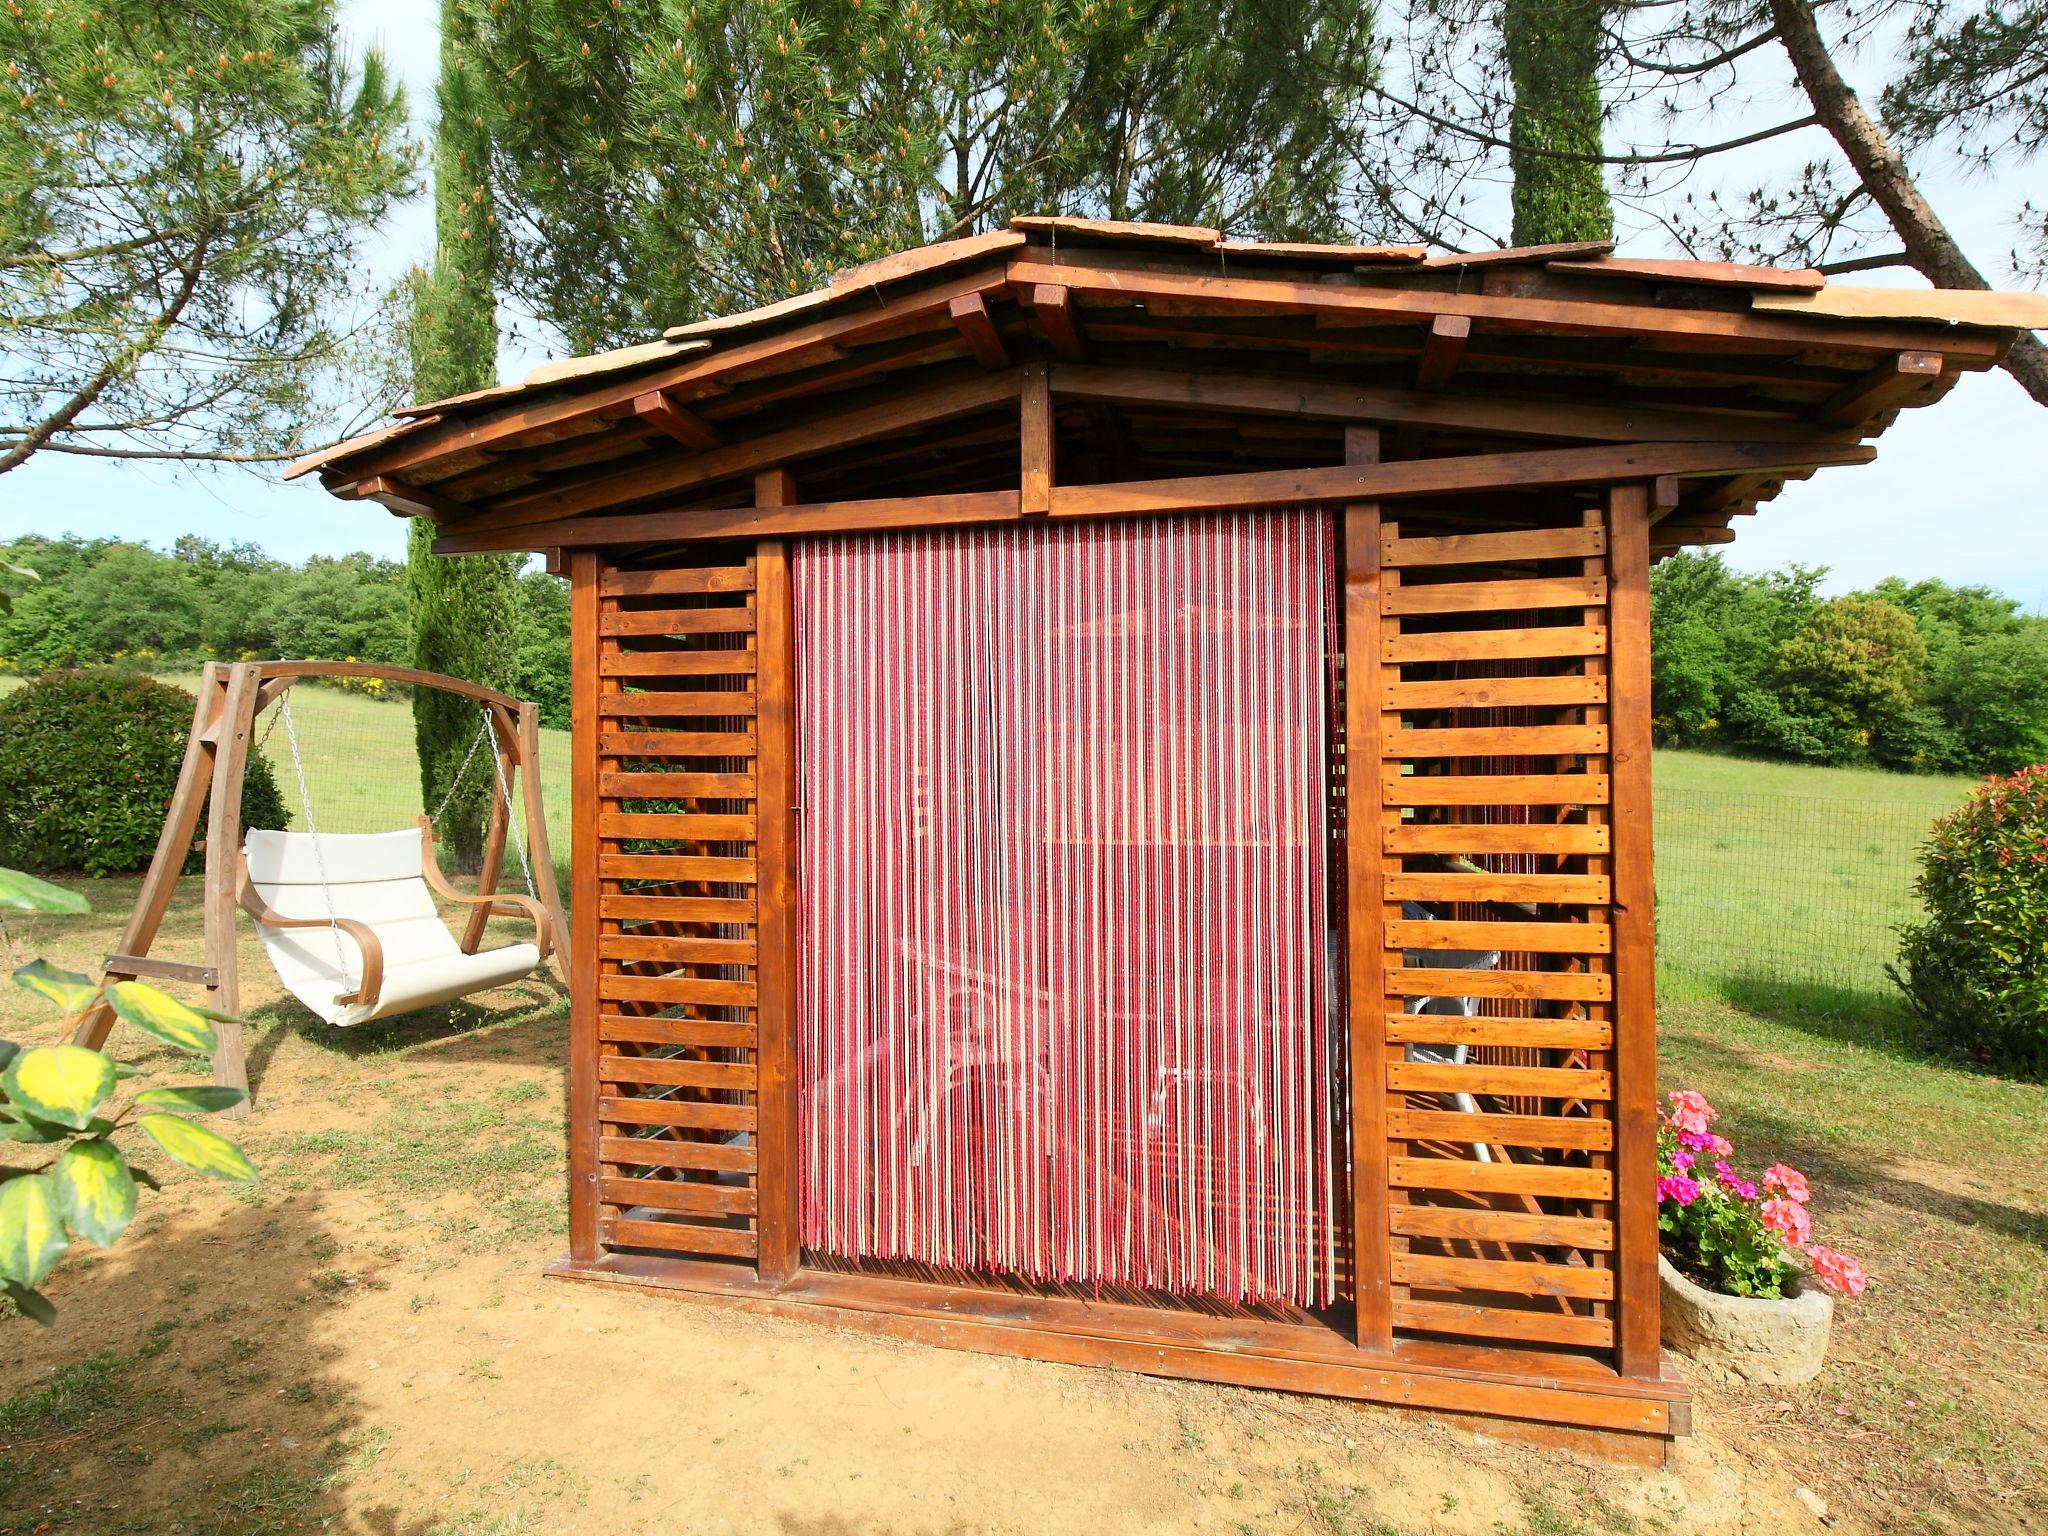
column 1635, row 936
column 1364, row 896
column 775, row 903
column 584, row 893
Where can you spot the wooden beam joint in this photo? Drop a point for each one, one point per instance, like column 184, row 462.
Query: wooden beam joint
column 1442, row 346
column 1058, row 322
column 1891, row 383
column 977, row 328
column 660, row 410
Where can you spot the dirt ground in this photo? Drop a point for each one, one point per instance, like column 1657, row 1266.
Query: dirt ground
column 366, row 1343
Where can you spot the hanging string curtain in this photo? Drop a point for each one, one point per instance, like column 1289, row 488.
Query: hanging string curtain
column 1066, row 971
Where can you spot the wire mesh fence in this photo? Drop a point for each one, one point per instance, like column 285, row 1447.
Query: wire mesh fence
column 1776, row 888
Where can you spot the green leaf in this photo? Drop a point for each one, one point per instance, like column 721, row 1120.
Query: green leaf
column 8, row 1051
column 95, row 1191
column 197, row 1147
column 198, row 1101
column 67, row 989
column 31, row 1229
column 25, row 893
column 32, row 1304
column 162, row 1015
column 64, row 1083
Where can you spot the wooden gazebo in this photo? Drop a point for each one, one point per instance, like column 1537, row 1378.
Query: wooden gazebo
column 1112, row 783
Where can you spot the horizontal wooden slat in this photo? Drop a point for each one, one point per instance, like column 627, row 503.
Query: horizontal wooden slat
column 1505, row 1323
column 1493, row 789
column 1494, row 741
column 674, row 663
column 676, row 743
column 1481, row 1224
column 1543, row 986
column 709, row 578
column 676, row 989
column 676, row 866
column 1528, row 938
column 678, row 621
column 1500, row 1178
column 654, row 784
column 680, row 1195
column 1494, row 548
column 671, row 1031
column 1497, row 644
column 1475, row 1077
column 676, row 1072
column 1517, row 1277
column 1494, row 693
column 686, row 1112
column 680, row 1237
column 679, row 950
column 1575, row 1133
column 1496, row 596
column 1451, row 885
column 660, row 703
column 676, row 909
column 667, row 1152
column 1495, row 837
column 1451, row 1029
column 676, row 826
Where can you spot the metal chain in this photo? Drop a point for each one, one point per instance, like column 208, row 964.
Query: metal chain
column 483, row 730
column 512, row 816
column 291, row 735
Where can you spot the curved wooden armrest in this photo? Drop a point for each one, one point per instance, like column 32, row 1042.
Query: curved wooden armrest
column 364, row 935
column 521, row 906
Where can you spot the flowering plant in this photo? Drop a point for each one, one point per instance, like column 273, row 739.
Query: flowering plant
column 1738, row 1236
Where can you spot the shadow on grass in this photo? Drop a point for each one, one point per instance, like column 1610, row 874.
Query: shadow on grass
column 184, row 1387
column 1865, row 1016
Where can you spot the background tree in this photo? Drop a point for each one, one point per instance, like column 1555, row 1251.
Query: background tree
column 464, row 610
column 1553, row 58
column 183, row 190
column 661, row 160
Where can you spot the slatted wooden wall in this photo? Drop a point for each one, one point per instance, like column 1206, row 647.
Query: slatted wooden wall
column 668, row 780
column 1493, row 1213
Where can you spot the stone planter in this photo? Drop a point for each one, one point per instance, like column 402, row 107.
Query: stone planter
column 1742, row 1338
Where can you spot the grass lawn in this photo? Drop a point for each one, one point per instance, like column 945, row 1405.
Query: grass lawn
column 365, row 1342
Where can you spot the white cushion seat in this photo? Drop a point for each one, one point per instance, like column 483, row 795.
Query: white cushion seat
column 375, row 879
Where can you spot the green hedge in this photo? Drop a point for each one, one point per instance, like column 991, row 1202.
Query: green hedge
column 88, row 764
column 1976, row 972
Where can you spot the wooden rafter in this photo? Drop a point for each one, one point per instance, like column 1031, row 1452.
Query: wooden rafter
column 1442, row 345
column 661, row 412
column 1891, row 383
column 978, row 329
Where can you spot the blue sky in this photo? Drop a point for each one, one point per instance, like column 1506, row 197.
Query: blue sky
column 1958, row 491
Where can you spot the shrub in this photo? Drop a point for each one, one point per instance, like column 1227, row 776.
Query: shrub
column 1738, row 1236
column 88, row 763
column 1976, row 971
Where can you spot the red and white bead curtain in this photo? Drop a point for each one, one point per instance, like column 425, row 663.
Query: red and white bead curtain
column 1066, row 971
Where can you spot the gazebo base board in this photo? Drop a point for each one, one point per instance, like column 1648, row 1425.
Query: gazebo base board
column 1563, row 1400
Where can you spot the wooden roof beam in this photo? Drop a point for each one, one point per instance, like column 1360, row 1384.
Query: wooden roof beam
column 1891, row 383
column 1099, row 277
column 1442, row 346
column 1291, row 395
column 1059, row 322
column 977, row 327
column 1537, row 469
column 403, row 500
column 659, row 410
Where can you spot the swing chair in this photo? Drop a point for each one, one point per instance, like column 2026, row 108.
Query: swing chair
column 348, row 920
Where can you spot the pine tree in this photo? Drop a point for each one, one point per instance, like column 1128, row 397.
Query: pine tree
column 661, row 160
column 183, row 193
column 1553, row 57
column 464, row 608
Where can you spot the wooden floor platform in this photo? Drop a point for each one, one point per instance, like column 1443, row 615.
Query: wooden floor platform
column 1556, row 1390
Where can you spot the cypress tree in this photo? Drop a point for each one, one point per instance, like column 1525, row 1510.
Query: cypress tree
column 464, row 609
column 1553, row 54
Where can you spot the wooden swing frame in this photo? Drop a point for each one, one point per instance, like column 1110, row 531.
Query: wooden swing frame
column 231, row 697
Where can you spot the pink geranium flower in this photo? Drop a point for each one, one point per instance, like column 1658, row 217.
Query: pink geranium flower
column 1691, row 1112
column 1837, row 1271
column 1720, row 1146
column 1789, row 1219
column 1789, row 1182
column 1678, row 1189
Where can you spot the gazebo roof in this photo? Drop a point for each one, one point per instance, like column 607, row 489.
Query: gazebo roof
column 1173, row 351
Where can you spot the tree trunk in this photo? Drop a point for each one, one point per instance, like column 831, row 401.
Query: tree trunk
column 1929, row 246
column 465, row 609
column 1553, row 52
